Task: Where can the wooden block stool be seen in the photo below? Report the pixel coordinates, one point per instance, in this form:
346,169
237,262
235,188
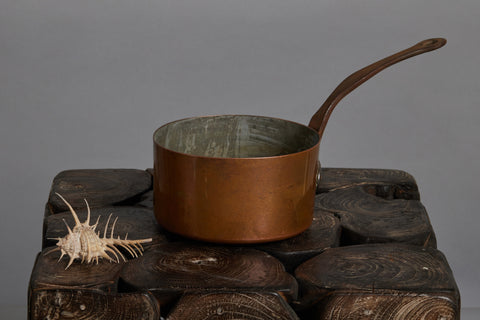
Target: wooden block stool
370,253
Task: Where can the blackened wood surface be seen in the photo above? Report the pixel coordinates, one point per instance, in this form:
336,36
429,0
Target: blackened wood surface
92,305
137,222
49,273
394,184
177,267
382,271
386,306
378,266
367,218
146,200
232,305
101,187
323,233
350,282
47,212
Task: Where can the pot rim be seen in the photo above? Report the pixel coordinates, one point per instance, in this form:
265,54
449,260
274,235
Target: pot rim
308,150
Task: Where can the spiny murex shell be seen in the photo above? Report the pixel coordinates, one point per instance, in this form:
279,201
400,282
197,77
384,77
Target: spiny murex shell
82,242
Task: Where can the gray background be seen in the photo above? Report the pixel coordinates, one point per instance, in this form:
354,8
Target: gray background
83,84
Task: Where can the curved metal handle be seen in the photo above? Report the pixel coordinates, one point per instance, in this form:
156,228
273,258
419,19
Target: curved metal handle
320,118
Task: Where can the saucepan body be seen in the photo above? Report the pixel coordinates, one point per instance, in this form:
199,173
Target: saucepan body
235,178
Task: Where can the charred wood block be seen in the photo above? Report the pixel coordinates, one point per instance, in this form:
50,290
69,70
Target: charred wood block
378,281
232,305
366,218
323,233
386,306
137,222
101,187
92,305
151,171
391,184
83,291
173,268
49,273
48,212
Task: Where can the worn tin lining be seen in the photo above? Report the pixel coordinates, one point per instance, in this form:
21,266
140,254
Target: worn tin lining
235,136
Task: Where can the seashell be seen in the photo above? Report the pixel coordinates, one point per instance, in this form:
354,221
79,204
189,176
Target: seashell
83,242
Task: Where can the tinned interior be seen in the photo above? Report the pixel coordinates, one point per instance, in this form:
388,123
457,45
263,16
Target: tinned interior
235,136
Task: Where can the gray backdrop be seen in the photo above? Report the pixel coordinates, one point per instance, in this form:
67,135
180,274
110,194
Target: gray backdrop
83,84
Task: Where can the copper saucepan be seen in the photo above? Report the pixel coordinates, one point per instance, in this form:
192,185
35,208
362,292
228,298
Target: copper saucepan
247,179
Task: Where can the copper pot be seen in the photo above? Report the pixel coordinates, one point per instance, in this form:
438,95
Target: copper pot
247,179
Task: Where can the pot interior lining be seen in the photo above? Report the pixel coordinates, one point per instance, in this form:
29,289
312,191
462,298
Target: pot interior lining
235,136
